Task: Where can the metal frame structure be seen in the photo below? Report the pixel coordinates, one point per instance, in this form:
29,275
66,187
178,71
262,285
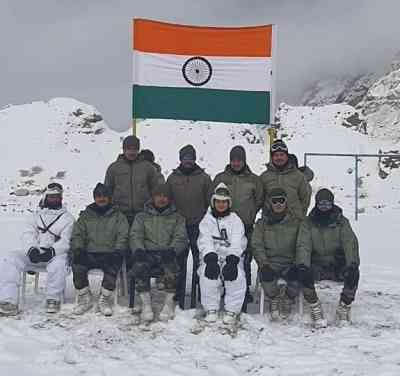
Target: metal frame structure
356,160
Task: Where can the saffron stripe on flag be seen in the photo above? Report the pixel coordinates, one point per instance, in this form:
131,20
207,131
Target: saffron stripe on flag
151,102
161,37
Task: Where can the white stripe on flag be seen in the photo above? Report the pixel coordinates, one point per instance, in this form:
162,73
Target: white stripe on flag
228,73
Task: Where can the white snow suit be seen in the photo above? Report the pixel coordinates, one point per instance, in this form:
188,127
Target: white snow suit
34,235
235,244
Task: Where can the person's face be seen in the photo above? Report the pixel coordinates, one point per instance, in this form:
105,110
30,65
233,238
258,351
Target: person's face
160,201
131,153
236,164
54,200
221,205
187,163
278,204
279,158
102,200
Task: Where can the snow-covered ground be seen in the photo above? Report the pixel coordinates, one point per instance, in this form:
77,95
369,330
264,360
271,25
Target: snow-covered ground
37,344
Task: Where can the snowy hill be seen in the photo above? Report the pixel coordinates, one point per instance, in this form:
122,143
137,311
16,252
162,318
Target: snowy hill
66,141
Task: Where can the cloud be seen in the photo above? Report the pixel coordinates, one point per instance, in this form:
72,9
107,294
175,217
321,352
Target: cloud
82,49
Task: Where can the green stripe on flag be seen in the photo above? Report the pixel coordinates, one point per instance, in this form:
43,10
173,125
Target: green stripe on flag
232,106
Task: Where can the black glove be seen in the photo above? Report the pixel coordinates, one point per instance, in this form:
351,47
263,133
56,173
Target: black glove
305,276
212,268
48,254
168,256
351,276
230,270
267,274
140,255
34,255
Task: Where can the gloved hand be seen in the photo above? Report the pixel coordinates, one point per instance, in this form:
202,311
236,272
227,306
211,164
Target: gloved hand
267,274
305,276
230,269
168,256
351,275
34,255
140,255
212,268
48,254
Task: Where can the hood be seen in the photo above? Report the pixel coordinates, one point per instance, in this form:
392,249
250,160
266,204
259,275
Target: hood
196,171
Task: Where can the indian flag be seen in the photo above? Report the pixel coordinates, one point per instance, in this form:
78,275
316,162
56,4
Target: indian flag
202,73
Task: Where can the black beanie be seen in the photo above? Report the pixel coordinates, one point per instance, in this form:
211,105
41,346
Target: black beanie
238,152
147,155
187,153
324,194
130,141
101,190
277,192
161,189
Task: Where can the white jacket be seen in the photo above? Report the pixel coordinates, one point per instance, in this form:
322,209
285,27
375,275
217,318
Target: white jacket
58,236
210,231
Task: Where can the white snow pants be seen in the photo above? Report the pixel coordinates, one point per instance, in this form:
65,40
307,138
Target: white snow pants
211,290
12,265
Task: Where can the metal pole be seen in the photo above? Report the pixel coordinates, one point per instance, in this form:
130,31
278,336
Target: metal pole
356,187
305,159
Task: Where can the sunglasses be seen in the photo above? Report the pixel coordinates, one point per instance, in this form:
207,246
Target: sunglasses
279,147
278,200
324,205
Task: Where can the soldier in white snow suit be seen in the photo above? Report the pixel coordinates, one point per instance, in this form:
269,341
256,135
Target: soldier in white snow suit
221,243
45,242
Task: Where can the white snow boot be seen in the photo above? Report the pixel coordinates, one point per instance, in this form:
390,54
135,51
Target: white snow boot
230,318
83,302
317,315
343,313
168,310
53,306
147,314
274,308
8,309
105,302
285,307
211,316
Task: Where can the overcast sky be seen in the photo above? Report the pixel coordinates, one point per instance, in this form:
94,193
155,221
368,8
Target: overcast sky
82,48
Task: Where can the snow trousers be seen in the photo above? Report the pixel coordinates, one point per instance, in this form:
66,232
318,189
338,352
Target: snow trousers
154,266
211,290
271,278
109,263
12,265
349,276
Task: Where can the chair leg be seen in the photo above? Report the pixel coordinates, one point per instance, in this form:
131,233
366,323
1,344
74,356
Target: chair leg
262,300
182,287
124,278
132,292
195,283
117,289
23,289
36,282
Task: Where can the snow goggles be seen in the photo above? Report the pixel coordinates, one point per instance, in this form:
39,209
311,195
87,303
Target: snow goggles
324,205
54,189
278,200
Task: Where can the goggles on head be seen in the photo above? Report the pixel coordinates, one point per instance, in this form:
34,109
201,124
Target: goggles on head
279,147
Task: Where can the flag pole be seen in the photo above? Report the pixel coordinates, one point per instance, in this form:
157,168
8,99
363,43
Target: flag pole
271,130
134,127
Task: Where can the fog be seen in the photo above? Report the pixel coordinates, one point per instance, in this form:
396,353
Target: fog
82,48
